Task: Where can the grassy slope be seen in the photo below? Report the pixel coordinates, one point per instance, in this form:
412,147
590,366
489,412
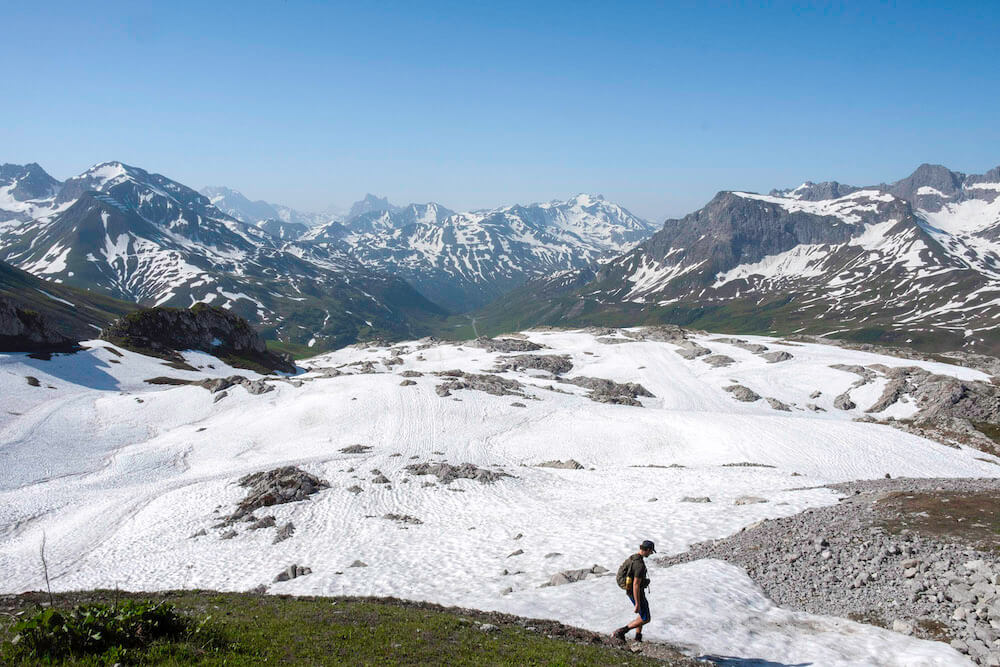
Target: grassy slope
91,308
267,629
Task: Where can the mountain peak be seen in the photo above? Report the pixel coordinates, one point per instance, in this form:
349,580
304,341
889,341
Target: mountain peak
370,203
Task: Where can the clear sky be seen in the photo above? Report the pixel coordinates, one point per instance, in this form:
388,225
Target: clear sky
476,104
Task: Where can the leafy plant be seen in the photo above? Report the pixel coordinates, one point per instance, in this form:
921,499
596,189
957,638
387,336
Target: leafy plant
96,629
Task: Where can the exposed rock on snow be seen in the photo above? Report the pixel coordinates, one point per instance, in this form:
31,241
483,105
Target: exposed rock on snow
696,499
718,360
356,449
741,393
403,518
778,405
491,384
284,532
844,402
568,464
447,473
551,363
506,344
607,391
287,484
776,356
571,576
688,349
292,572
749,500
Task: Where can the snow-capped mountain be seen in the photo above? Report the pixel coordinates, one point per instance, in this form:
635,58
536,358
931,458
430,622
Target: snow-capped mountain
144,238
916,261
464,260
26,192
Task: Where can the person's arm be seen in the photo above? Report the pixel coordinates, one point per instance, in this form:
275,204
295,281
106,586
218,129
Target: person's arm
637,592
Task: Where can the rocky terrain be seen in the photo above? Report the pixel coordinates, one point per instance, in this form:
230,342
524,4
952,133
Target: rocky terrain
165,332
918,556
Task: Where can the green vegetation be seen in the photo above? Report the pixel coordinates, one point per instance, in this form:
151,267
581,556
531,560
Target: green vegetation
207,628
110,633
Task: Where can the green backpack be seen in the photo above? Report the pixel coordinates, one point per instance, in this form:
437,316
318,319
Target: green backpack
624,569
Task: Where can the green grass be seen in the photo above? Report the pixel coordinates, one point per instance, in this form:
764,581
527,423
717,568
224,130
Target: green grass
248,629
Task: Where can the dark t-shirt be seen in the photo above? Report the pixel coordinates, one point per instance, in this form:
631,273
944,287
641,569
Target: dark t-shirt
637,570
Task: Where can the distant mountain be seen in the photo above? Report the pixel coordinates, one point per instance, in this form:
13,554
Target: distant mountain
370,204
465,260
234,204
26,192
913,262
144,238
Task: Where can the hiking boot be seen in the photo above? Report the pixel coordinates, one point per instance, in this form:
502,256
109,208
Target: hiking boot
619,634
638,636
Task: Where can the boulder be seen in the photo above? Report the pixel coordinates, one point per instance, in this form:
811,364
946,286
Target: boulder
275,487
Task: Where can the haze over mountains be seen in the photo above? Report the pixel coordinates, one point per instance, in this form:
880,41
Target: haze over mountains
914,262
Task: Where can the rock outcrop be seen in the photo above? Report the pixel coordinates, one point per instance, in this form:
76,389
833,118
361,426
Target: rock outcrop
165,332
24,330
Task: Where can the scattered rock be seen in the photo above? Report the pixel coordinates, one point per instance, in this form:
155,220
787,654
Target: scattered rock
275,487
741,393
292,572
608,391
403,518
518,404
747,464
749,500
407,383
777,356
550,363
355,489
447,473
719,360
571,576
358,563
506,344
844,402
568,464
515,553
284,532
265,522
228,535
696,499
494,385
778,405
356,449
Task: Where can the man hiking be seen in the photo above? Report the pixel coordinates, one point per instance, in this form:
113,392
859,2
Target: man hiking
632,578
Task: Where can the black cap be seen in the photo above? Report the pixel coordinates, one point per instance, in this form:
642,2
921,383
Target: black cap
648,545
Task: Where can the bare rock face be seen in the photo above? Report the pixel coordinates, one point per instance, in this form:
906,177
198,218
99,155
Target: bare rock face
741,393
287,484
164,332
27,331
506,344
608,391
447,473
551,363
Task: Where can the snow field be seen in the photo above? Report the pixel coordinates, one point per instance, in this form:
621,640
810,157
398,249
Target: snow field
119,487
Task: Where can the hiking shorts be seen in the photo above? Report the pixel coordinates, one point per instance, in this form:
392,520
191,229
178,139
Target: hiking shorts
643,606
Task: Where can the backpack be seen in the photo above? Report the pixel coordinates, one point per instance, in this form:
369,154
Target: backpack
622,578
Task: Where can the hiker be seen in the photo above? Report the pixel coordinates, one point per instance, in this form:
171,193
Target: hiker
632,579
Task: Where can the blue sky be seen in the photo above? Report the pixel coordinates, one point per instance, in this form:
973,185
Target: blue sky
657,106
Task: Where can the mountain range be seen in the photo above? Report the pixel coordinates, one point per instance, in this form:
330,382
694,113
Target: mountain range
387,271
915,262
